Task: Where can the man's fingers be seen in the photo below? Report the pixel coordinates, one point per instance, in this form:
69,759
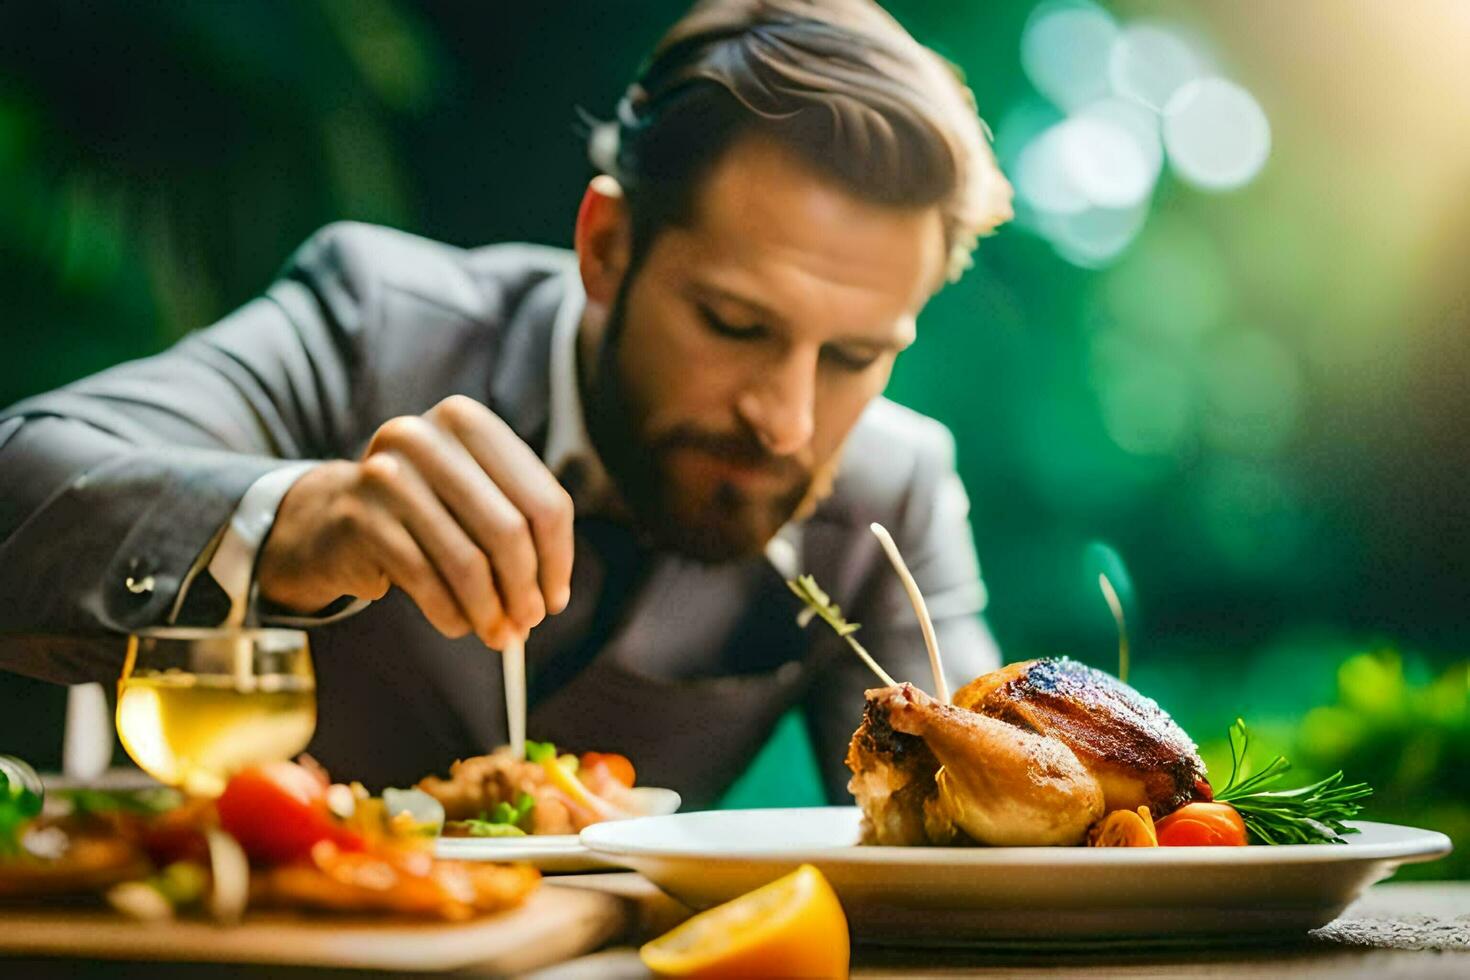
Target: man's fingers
376,588
526,483
359,575
482,510
459,568
409,569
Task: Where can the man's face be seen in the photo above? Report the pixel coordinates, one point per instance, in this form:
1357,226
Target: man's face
746,345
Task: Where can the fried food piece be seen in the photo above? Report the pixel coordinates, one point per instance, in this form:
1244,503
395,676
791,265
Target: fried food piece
409,882
86,864
477,784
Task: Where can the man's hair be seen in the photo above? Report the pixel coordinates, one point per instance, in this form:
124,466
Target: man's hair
839,82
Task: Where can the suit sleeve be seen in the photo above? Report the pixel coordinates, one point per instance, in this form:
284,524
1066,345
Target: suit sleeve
116,485
932,530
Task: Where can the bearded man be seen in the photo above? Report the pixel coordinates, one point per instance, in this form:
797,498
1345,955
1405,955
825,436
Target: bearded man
421,452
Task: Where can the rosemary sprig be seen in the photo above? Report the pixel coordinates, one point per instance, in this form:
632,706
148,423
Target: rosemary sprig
1314,814
820,605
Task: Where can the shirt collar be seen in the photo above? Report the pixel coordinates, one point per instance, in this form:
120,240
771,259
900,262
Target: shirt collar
569,452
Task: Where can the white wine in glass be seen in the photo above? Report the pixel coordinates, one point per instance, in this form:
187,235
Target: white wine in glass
195,706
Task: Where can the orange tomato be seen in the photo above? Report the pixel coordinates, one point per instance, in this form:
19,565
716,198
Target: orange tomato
1202,825
618,766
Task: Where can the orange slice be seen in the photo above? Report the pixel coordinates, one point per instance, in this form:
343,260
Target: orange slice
793,927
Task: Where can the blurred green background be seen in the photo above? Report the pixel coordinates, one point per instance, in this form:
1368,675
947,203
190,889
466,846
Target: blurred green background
1242,394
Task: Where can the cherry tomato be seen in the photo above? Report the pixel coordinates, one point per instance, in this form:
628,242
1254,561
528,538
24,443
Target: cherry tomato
618,766
278,810
1202,825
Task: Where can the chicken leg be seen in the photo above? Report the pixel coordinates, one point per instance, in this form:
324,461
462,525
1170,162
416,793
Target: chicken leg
996,782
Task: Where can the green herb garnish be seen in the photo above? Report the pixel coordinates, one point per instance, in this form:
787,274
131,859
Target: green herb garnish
146,802
490,828
820,605
504,820
514,815
540,751
1314,814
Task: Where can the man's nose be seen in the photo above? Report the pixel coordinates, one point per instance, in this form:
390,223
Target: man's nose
780,403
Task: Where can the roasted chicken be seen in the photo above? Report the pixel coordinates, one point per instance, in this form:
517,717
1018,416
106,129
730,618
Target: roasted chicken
1032,754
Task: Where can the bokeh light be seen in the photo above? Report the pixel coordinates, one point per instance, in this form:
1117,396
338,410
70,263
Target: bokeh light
1066,48
1216,134
1094,237
1104,161
1150,62
1086,174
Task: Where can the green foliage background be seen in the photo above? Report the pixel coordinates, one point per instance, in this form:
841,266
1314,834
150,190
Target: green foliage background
1257,411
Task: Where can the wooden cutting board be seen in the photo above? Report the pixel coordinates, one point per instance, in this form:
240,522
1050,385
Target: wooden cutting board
554,924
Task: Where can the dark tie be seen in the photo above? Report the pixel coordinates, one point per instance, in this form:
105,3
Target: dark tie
608,562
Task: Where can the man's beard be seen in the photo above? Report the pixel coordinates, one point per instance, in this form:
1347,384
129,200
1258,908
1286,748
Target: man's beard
727,523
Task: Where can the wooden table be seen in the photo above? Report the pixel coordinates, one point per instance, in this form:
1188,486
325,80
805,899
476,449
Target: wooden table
1395,931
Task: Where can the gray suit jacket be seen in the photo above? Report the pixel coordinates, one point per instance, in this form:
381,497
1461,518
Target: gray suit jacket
130,474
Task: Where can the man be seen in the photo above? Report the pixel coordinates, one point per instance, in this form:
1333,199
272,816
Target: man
422,452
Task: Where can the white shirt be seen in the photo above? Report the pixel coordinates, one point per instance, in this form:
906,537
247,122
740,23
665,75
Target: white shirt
567,440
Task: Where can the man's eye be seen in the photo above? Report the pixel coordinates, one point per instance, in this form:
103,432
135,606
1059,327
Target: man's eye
751,332
849,360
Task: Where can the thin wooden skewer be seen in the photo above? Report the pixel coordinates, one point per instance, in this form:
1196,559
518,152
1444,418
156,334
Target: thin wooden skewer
872,664
818,603
513,667
867,658
941,686
1117,609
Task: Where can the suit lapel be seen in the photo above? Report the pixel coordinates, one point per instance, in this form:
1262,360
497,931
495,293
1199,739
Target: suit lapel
520,385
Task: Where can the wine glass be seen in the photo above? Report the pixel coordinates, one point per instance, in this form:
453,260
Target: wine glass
195,706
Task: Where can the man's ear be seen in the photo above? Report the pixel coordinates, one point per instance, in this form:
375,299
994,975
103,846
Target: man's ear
603,240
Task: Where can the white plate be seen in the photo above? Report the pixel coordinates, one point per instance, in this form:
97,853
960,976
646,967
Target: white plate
548,852
551,852
1014,895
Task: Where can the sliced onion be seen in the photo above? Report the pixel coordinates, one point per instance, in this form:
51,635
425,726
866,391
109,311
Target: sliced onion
654,801
140,900
230,870
341,801
426,812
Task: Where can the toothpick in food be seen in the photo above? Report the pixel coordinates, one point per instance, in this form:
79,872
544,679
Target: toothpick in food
513,667
926,625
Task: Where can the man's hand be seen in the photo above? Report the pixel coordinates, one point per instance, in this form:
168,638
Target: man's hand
450,506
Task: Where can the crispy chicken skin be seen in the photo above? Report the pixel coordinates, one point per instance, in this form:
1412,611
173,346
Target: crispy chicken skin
1131,745
1033,754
